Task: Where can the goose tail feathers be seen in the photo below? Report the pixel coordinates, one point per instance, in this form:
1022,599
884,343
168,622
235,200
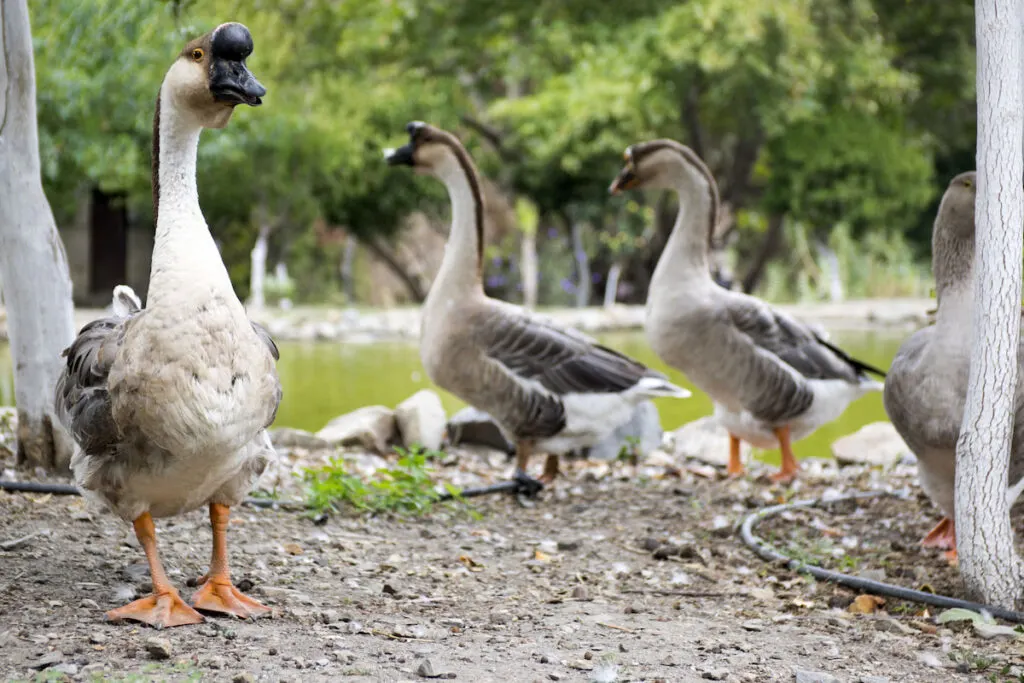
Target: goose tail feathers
657,387
126,301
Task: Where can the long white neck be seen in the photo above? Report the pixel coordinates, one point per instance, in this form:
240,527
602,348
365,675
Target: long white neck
685,257
186,261
460,269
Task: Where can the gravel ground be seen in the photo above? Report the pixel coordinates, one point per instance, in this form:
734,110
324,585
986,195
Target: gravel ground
618,573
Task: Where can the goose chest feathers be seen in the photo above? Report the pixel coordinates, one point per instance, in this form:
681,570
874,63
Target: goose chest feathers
926,390
169,404
772,378
549,388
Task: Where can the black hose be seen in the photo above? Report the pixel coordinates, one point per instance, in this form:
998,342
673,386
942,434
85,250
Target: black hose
770,554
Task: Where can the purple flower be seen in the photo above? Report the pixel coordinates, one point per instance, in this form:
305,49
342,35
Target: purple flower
495,280
595,278
552,233
496,260
568,286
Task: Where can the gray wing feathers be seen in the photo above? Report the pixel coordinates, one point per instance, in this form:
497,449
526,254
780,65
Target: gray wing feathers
559,360
81,400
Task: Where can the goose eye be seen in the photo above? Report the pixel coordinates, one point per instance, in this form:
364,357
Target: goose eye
197,55
968,183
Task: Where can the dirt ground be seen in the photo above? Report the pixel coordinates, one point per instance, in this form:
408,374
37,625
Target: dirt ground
570,588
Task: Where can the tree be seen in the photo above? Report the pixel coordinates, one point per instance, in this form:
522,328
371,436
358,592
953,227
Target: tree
36,283
991,569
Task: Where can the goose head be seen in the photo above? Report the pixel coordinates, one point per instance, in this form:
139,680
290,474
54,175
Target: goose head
209,78
430,151
655,164
956,211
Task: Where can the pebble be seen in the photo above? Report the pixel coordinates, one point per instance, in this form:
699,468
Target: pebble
67,668
426,669
580,593
668,661
500,617
48,660
212,662
243,677
752,625
874,679
158,648
714,674
554,676
814,677
89,603
97,638
581,665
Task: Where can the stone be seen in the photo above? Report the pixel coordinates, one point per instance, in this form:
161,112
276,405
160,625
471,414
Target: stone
814,677
421,420
243,677
472,426
877,443
426,669
370,427
288,437
158,648
714,674
706,441
641,435
48,660
874,679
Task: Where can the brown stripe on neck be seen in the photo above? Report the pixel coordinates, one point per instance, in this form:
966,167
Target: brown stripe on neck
156,161
691,158
474,187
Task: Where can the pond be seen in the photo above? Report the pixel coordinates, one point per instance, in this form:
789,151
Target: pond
323,380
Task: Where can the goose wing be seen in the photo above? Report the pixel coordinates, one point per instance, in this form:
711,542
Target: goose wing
562,361
81,400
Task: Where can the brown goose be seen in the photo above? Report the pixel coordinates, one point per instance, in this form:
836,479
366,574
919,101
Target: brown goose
773,379
549,388
169,404
926,389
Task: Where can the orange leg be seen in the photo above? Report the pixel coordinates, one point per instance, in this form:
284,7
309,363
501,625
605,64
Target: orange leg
217,594
943,536
164,607
550,469
735,468
523,452
787,473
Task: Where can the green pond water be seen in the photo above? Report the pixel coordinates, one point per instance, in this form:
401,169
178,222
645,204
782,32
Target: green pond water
323,380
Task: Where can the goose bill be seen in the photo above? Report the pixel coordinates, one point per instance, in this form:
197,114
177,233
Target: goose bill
624,181
233,83
403,156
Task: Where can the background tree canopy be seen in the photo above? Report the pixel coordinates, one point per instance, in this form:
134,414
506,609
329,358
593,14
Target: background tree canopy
828,123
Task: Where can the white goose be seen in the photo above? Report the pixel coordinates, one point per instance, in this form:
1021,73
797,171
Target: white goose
547,387
773,379
169,405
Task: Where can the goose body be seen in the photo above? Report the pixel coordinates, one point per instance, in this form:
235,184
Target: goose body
169,404
548,388
926,390
772,378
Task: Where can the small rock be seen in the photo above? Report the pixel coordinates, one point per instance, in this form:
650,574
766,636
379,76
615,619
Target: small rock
421,420
666,551
752,625
287,437
243,677
668,661
640,436
89,603
372,427
500,617
580,593
814,677
877,443
48,660
67,668
874,679
472,426
706,441
714,674
893,626
581,665
97,638
158,648
426,669
554,676
568,545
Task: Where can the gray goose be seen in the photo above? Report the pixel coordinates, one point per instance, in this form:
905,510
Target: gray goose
773,380
169,404
926,389
549,388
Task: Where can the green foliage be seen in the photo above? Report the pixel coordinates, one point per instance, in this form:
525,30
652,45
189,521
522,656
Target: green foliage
406,488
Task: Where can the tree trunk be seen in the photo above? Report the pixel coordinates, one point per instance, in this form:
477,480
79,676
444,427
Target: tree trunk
579,253
348,261
258,265
770,243
830,268
991,569
416,290
34,267
611,287
528,268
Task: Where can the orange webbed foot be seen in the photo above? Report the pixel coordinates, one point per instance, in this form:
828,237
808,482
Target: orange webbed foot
943,536
782,477
551,470
160,610
224,598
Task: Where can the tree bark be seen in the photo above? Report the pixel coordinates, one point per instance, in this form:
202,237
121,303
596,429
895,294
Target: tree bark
528,268
33,264
611,287
258,264
348,260
416,290
992,571
579,252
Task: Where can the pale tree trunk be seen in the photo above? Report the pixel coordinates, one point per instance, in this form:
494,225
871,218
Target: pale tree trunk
611,287
528,268
991,569
579,253
258,265
34,267
348,260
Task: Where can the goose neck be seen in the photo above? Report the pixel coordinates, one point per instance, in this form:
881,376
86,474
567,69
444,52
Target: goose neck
462,265
686,253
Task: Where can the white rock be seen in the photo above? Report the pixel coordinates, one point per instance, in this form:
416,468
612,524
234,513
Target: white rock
644,425
706,441
873,444
421,420
472,426
371,427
